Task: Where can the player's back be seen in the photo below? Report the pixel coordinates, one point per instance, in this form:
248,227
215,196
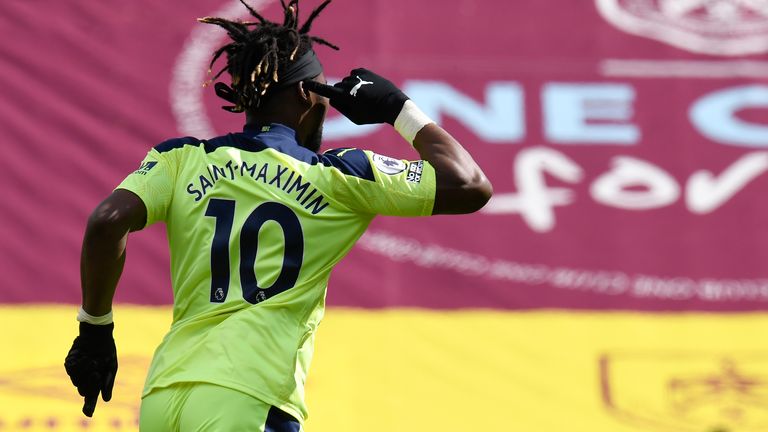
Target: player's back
255,216
255,225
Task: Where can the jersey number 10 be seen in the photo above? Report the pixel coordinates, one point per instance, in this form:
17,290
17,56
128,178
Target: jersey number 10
223,210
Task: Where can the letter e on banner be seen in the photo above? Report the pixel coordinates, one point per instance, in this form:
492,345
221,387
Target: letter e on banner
572,113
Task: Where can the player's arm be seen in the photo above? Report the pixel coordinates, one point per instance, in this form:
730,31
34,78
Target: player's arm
367,98
91,363
104,245
461,186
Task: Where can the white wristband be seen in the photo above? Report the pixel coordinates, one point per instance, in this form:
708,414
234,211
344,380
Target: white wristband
410,121
84,316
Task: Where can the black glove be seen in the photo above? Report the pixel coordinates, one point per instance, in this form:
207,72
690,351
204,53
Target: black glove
92,364
363,97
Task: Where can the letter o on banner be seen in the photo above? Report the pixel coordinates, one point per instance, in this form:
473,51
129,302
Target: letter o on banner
658,188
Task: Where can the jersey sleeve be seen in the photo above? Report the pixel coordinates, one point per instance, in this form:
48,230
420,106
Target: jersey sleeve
368,182
153,182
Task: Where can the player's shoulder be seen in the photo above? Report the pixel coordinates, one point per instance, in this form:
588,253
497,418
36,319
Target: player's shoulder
177,143
350,161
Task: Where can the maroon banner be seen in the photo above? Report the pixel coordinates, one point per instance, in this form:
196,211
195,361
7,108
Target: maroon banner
627,142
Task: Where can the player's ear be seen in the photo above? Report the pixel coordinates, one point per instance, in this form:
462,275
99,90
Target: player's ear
304,94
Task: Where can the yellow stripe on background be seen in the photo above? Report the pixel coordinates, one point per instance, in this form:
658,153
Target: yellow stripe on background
419,370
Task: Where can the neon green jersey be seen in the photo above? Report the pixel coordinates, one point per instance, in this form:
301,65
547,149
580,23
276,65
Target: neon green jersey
255,225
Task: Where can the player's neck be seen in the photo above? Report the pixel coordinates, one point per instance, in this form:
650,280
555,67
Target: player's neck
267,118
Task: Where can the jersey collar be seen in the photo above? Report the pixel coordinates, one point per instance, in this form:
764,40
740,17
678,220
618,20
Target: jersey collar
254,130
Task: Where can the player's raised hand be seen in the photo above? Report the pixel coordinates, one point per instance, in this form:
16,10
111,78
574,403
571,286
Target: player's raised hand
92,364
363,97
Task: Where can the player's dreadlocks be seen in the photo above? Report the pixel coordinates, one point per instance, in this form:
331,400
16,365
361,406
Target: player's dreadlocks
261,52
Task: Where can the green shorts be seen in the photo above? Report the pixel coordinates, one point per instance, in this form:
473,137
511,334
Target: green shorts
193,407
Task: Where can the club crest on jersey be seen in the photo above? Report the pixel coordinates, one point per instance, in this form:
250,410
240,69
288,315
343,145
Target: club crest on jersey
717,27
388,165
145,167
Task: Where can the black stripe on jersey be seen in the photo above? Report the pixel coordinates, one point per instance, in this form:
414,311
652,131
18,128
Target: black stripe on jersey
352,162
176,143
238,141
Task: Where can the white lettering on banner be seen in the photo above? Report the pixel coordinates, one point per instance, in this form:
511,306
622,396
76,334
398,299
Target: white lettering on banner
714,115
572,113
658,188
603,282
680,288
705,192
534,201
501,119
